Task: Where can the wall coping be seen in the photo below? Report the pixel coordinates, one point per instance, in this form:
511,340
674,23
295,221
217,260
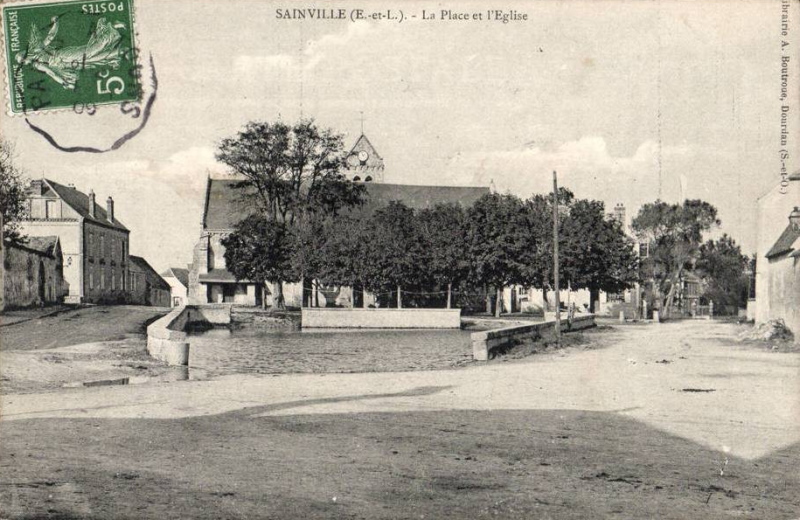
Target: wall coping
375,309
512,330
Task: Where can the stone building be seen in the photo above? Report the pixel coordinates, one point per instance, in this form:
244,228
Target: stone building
147,287
94,242
178,280
32,273
211,282
778,255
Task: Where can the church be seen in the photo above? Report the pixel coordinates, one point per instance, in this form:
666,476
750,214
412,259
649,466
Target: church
211,282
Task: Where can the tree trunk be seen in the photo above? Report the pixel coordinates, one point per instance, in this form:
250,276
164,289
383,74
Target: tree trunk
488,300
544,298
278,302
263,296
594,297
449,294
399,298
498,303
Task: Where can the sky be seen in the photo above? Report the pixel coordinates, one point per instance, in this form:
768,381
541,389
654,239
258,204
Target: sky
628,101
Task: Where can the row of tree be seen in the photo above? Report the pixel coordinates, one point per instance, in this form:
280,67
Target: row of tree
305,224
498,241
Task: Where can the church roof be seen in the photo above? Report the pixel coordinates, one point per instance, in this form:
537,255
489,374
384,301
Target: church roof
79,202
224,207
785,243
420,197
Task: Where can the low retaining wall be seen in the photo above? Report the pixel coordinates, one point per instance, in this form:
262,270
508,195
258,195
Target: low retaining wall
166,337
346,318
483,342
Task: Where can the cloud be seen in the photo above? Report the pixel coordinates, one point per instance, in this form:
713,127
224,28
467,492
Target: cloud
185,171
315,52
585,166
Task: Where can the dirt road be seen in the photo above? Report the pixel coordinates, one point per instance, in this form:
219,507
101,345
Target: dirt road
670,421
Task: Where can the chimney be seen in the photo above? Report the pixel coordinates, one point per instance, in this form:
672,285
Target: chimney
37,187
619,213
794,218
110,209
91,204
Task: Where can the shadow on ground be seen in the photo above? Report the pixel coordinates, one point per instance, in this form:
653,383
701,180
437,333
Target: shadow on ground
442,464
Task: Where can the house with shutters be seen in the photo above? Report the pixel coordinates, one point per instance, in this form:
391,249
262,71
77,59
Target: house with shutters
93,242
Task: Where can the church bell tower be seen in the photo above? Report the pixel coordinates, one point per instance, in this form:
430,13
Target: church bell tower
364,163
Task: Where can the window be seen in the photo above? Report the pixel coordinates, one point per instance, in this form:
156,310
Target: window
91,244
102,246
644,250
102,279
52,209
91,280
113,280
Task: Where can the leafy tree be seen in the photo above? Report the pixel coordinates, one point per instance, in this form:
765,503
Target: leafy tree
13,197
674,232
260,249
291,175
496,240
344,254
537,256
596,254
394,250
444,233
723,266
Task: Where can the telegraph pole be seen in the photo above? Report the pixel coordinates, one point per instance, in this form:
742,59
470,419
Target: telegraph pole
555,257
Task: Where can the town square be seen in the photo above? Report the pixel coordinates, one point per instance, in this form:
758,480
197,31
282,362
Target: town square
399,261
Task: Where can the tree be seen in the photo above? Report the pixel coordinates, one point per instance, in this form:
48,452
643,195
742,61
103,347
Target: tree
596,254
260,249
344,254
724,268
496,240
393,250
537,255
291,174
13,197
444,233
674,233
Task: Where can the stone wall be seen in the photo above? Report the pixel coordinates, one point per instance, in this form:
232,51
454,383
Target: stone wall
30,278
484,342
167,338
338,318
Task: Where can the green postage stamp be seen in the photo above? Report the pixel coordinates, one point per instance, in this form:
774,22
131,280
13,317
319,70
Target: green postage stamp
69,54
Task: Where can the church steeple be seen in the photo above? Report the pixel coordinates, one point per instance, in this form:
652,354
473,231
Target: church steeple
364,162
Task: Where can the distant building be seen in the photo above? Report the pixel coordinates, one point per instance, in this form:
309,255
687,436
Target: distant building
94,242
778,255
211,282
178,280
32,273
147,286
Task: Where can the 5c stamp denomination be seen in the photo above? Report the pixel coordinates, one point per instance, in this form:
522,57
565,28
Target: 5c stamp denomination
68,54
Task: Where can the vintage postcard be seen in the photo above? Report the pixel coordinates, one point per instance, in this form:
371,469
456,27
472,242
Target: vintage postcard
452,259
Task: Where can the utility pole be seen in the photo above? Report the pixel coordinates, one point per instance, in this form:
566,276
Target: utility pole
555,257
